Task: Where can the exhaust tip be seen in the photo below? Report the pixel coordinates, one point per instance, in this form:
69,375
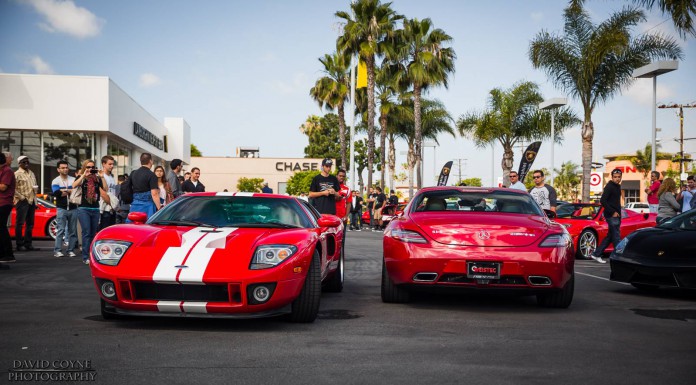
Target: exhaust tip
425,277
539,280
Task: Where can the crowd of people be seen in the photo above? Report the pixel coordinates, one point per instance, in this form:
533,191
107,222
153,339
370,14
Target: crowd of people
93,197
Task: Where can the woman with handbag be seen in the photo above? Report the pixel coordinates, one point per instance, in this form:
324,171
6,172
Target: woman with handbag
90,184
165,195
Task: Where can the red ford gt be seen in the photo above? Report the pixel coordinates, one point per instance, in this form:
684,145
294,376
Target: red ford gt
586,225
44,220
477,238
232,255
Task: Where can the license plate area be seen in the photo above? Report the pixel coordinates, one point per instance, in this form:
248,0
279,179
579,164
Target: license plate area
483,270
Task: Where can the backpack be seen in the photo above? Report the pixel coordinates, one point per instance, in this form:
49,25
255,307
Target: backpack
126,194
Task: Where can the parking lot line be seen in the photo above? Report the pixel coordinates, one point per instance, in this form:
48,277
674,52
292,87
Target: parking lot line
602,278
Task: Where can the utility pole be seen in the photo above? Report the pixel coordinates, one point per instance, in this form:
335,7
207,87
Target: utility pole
681,134
458,162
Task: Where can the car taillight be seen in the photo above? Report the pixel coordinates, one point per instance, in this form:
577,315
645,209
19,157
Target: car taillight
407,236
556,240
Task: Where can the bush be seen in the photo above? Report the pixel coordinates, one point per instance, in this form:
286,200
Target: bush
300,182
249,184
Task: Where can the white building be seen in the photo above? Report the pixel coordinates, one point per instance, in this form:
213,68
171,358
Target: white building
52,117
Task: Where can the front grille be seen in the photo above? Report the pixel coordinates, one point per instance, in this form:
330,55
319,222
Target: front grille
664,279
504,280
179,292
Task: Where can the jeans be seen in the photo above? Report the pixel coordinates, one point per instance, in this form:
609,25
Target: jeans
89,221
355,220
107,219
5,241
25,214
66,221
613,236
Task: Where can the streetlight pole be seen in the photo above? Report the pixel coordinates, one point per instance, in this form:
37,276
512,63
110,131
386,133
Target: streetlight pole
553,104
653,70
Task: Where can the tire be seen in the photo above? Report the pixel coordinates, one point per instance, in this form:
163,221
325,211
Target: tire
392,293
52,228
106,314
587,244
559,299
335,283
306,306
645,287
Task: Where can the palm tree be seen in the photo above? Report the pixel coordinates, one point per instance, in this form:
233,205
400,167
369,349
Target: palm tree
331,92
513,116
592,63
681,11
643,159
364,34
567,180
426,63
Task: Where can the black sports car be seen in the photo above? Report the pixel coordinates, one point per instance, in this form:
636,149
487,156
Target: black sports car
658,256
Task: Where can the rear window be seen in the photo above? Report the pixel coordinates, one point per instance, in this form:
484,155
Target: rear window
457,201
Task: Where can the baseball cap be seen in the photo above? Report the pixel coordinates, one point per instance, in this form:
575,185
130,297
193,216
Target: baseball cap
21,158
175,163
327,162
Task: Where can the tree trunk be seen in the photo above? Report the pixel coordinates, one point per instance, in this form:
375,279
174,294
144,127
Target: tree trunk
418,131
410,159
587,136
507,162
382,147
392,162
342,136
370,63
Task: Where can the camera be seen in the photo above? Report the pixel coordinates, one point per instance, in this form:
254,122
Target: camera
93,171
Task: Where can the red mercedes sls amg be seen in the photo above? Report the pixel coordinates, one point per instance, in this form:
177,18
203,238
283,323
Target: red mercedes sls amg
586,225
232,255
477,238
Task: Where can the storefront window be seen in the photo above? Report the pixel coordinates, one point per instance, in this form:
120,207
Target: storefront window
23,143
71,147
121,154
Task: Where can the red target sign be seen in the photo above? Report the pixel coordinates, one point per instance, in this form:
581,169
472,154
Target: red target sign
596,182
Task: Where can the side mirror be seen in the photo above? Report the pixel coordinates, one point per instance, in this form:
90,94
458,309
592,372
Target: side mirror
646,215
328,220
137,218
550,214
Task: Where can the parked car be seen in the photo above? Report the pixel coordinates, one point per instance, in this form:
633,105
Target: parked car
639,207
477,238
44,220
388,213
662,256
235,255
586,224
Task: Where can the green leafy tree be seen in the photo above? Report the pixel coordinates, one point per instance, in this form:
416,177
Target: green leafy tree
475,182
323,135
642,161
361,162
529,178
195,151
300,181
331,92
365,33
567,181
249,184
682,13
513,116
591,63
426,62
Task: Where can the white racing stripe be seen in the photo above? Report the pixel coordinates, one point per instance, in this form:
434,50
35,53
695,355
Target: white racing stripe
166,270
169,306
195,307
244,194
200,255
224,194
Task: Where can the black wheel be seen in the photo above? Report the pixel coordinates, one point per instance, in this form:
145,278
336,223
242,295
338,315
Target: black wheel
335,283
306,306
558,299
52,228
645,287
392,293
587,243
106,314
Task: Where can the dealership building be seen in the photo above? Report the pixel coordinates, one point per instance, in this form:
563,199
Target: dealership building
52,117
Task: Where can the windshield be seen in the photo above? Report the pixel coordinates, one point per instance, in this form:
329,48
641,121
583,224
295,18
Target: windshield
231,211
476,201
573,211
685,221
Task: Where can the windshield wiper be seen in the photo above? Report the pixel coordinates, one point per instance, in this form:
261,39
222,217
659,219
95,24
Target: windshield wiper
182,223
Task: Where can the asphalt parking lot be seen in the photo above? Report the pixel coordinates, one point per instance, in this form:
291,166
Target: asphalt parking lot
611,334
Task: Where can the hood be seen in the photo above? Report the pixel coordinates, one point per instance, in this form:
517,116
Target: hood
488,230
659,242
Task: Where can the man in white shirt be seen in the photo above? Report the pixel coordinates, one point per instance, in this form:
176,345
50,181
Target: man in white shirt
108,214
66,215
515,182
542,193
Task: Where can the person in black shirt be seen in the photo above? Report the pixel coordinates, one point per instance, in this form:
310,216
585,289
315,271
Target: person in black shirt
92,184
193,184
393,199
355,211
323,190
380,200
146,197
611,201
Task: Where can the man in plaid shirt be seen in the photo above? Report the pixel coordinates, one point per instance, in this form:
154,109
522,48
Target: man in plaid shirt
25,203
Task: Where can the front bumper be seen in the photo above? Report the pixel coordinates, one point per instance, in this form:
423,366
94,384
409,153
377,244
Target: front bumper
668,272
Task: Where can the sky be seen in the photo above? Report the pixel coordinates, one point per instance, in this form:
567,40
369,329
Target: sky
239,72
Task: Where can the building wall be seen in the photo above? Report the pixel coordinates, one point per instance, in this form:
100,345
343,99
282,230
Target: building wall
220,173
633,177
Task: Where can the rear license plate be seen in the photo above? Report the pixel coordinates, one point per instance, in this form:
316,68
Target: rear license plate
483,270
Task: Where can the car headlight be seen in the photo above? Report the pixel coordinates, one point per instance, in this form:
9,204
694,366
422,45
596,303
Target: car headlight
110,252
619,249
268,256
407,236
556,240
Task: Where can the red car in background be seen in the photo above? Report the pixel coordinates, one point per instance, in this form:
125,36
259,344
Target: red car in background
468,238
389,212
586,225
44,220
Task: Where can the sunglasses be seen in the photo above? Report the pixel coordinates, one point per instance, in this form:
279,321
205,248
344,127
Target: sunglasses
537,177
513,176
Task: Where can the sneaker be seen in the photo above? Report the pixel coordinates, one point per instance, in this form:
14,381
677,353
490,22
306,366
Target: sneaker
58,254
71,255
358,230
7,260
86,261
598,259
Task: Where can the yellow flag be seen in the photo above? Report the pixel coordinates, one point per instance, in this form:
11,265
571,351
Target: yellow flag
362,75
